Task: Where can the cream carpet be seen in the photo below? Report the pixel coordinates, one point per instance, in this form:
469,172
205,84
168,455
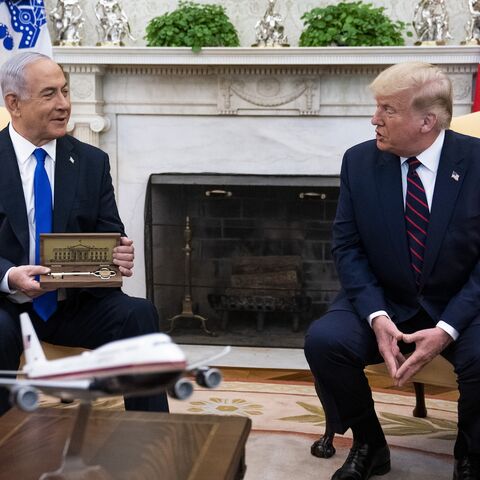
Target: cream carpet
287,418
277,456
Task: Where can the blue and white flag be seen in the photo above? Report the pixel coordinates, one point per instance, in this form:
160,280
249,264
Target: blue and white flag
23,27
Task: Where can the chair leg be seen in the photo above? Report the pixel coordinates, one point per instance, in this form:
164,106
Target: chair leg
420,410
323,447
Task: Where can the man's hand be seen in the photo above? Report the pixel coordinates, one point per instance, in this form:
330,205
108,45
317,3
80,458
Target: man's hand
428,344
22,279
123,256
388,336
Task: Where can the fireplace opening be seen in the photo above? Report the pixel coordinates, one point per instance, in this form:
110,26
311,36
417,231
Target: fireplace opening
240,259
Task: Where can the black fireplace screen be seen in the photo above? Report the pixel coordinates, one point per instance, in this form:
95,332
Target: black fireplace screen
239,259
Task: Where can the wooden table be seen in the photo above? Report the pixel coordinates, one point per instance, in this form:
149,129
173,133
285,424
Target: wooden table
128,445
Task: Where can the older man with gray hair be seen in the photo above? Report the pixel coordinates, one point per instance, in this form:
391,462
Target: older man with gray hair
406,243
51,182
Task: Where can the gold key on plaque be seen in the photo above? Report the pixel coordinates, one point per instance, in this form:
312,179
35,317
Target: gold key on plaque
104,273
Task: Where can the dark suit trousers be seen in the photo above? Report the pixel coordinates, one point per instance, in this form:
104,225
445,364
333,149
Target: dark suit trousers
339,345
86,320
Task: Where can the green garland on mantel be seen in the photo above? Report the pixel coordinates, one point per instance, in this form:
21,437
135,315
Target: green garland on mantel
351,24
192,25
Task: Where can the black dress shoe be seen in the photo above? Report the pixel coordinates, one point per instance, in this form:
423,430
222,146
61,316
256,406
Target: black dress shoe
363,461
467,468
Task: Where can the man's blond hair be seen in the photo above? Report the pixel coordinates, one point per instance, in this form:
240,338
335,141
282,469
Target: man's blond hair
431,89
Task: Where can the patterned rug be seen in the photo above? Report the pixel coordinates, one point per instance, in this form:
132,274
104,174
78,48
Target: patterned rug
287,418
294,408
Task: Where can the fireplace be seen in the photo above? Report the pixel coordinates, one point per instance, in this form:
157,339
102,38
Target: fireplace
244,256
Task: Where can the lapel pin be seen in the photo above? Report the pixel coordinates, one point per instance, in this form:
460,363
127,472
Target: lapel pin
73,161
455,176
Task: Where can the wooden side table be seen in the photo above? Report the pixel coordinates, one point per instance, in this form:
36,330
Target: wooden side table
126,445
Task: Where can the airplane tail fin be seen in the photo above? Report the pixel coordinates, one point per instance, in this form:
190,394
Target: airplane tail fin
31,344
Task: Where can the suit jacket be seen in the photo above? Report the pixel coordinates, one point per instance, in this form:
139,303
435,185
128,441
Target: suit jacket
84,198
370,245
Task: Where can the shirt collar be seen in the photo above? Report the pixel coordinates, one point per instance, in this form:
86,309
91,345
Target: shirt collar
24,149
430,158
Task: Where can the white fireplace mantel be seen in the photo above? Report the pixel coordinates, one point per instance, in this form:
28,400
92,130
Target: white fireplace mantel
286,111
444,55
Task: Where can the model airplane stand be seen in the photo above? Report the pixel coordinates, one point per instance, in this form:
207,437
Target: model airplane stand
73,466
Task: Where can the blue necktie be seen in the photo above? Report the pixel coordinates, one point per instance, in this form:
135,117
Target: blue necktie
45,304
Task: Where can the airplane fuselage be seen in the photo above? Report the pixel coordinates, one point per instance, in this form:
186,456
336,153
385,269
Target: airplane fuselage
145,355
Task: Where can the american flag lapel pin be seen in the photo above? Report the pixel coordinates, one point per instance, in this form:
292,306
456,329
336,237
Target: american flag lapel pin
72,161
455,176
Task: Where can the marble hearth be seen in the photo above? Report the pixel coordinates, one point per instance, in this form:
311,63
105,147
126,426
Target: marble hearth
231,111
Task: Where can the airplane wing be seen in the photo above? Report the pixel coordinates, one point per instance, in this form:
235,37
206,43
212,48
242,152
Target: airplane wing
207,360
12,372
204,376
61,389
24,393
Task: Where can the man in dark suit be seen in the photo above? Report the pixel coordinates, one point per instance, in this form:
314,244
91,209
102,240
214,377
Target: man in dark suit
80,188
406,242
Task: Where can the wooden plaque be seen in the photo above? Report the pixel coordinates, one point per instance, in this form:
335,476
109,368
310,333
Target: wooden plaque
71,256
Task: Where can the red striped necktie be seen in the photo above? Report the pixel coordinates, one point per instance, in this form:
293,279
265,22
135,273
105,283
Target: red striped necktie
417,217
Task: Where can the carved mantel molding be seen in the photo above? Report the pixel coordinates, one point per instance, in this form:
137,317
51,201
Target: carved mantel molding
240,81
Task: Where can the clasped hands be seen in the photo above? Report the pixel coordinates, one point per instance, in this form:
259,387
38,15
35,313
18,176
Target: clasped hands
23,278
428,344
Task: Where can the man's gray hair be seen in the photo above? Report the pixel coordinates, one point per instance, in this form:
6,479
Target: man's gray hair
12,73
430,88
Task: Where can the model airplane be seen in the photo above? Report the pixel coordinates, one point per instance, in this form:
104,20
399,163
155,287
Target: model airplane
136,366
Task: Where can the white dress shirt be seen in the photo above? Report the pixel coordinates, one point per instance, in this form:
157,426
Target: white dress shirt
427,171
26,165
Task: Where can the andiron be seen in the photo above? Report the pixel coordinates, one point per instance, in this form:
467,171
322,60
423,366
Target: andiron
187,304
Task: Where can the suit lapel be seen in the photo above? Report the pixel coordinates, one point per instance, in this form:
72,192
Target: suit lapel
66,179
11,191
450,175
389,182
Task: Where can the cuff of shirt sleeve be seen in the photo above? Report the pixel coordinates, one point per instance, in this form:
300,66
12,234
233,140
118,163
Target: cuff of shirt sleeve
4,287
376,314
448,328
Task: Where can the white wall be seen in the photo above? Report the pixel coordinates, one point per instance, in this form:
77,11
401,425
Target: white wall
245,13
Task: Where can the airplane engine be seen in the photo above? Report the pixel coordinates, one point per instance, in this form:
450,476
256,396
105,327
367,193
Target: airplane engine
208,377
181,389
24,397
